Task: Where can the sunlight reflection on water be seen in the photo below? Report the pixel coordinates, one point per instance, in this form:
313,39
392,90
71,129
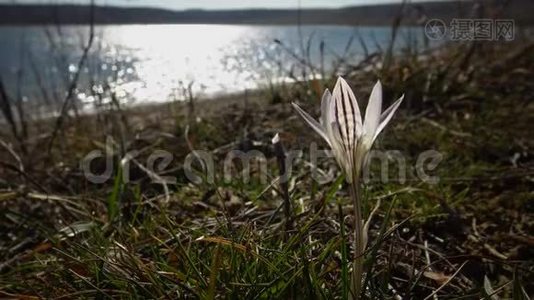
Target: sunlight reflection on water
180,53
154,63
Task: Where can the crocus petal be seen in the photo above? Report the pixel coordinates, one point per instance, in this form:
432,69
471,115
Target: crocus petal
331,126
387,115
342,155
314,124
330,118
325,107
372,113
346,110
347,93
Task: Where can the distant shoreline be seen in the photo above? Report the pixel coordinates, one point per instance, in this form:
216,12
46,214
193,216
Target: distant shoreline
369,15
5,25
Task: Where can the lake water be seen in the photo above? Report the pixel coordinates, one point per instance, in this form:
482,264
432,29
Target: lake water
154,63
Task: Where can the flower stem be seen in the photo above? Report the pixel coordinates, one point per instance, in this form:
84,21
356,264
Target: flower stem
357,264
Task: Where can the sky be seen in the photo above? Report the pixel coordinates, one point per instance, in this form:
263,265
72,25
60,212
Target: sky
215,4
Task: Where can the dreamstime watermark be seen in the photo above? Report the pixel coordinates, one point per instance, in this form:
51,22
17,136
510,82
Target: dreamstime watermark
471,30
202,166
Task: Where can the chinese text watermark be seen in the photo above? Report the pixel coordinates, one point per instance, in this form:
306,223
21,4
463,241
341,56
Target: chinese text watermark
471,30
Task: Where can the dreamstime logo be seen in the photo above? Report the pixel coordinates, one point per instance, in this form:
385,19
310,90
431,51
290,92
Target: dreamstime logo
201,166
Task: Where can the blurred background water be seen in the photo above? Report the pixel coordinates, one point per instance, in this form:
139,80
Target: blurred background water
156,63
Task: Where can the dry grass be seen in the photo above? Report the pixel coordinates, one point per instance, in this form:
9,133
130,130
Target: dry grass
59,236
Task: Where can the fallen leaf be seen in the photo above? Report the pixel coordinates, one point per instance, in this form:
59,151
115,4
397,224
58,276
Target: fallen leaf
438,277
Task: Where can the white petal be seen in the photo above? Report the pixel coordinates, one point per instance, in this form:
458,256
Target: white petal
313,124
342,155
330,126
331,114
346,110
276,139
372,113
347,91
387,115
325,107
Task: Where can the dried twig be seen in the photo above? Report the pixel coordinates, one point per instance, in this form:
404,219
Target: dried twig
14,154
446,282
5,107
74,82
281,158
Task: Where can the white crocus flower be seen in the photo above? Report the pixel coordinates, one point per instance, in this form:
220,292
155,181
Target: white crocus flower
341,125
